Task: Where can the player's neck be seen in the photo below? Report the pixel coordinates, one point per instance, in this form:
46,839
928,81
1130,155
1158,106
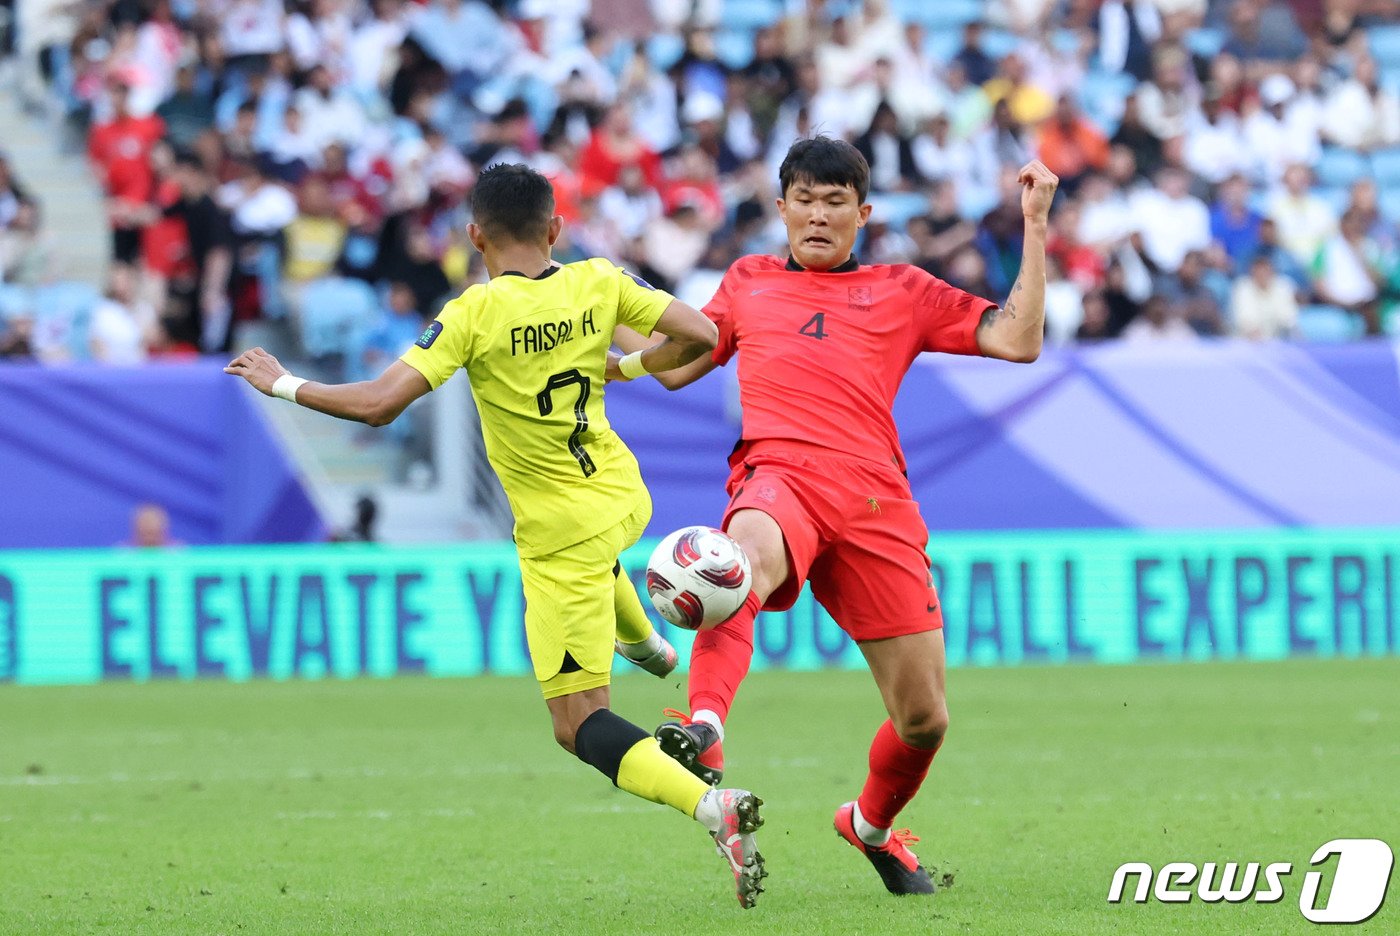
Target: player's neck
525,259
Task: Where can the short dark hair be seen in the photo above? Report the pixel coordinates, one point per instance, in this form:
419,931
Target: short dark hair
822,160
511,201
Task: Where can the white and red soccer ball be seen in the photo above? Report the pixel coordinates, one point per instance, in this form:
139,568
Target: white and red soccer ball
698,577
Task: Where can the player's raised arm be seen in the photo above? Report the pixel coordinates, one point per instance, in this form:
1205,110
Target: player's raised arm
375,402
681,358
1015,331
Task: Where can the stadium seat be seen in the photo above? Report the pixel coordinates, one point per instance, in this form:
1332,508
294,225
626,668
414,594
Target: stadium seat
1385,166
942,44
14,300
1337,198
1101,96
734,47
1328,324
896,208
999,43
1390,205
1385,44
973,203
665,50
1339,168
333,310
750,14
943,15
1206,41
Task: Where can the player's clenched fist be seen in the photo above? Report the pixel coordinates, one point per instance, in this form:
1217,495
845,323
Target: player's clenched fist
258,368
1039,185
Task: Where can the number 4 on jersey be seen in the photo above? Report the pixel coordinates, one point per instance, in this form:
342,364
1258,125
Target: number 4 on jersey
815,327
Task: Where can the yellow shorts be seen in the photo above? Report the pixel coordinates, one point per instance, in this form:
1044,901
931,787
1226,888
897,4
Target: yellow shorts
569,607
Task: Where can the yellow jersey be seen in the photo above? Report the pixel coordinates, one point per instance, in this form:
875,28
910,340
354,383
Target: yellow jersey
535,351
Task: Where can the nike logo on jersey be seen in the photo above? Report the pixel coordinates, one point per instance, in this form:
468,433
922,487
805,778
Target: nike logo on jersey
757,292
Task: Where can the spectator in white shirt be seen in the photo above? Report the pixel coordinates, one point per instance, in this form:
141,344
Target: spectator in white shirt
1158,322
1171,220
1304,220
1263,304
1347,271
122,325
1360,114
329,114
630,204
939,155
1215,147
1276,141
1164,103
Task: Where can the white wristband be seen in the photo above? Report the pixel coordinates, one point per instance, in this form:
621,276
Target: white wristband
287,386
632,367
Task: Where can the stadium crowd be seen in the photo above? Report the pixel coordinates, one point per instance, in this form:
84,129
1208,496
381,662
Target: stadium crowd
1228,167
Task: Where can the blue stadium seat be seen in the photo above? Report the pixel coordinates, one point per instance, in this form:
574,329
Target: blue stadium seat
942,44
942,14
1101,95
1065,41
734,47
750,14
896,208
973,203
1390,205
1329,324
1336,198
333,311
1339,168
14,301
1206,41
1385,166
998,43
665,49
1385,44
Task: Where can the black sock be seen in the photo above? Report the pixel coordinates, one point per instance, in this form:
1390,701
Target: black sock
603,739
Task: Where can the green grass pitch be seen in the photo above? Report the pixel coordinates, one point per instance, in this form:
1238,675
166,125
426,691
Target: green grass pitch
442,806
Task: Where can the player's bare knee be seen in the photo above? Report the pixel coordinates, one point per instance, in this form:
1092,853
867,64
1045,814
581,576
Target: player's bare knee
923,726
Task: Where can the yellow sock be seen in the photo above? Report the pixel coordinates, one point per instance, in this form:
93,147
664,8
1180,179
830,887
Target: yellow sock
650,774
633,626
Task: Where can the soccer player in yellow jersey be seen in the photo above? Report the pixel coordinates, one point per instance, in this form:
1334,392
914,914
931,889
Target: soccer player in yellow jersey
535,343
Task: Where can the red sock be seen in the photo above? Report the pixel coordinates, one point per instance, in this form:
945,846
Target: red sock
896,773
719,660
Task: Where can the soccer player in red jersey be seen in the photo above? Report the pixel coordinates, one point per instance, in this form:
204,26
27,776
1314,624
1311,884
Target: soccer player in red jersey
818,490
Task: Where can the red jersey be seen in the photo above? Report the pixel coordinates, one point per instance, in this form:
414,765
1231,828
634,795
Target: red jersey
123,149
824,353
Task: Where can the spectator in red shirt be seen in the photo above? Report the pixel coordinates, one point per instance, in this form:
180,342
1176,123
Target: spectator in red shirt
121,154
616,144
1070,146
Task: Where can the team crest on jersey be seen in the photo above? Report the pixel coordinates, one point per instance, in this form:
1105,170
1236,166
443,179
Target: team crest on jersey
429,335
860,296
639,281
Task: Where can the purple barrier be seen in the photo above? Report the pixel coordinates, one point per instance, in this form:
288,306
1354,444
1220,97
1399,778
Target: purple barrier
81,447
1217,435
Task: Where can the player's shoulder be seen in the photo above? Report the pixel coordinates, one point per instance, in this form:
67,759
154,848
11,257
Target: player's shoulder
750,264
912,279
602,269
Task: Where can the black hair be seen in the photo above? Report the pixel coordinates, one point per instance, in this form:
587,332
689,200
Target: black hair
822,160
511,201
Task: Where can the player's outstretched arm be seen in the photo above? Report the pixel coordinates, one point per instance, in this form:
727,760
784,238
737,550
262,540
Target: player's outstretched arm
1016,330
681,358
375,402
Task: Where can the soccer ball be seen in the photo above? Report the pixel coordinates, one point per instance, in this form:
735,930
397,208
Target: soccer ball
698,577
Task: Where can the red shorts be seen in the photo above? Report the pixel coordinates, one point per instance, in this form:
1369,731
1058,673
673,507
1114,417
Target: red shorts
851,526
